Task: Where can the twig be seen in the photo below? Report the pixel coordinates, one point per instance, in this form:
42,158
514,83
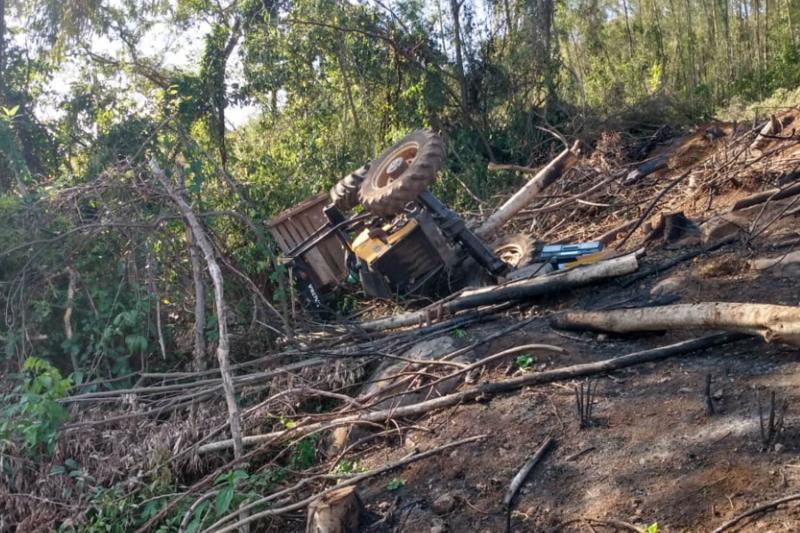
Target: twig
709,401
191,510
522,474
760,509
617,524
579,453
584,401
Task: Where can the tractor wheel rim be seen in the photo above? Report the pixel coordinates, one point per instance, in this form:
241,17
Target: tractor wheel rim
407,151
510,254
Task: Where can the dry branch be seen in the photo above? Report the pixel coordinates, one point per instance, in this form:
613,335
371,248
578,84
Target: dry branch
778,323
223,345
770,195
760,509
526,194
516,290
487,389
523,472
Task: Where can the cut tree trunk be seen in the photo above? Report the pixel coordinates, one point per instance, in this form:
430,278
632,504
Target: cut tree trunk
772,127
779,323
647,168
522,198
513,291
338,511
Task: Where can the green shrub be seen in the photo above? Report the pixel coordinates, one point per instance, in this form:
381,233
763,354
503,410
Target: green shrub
33,414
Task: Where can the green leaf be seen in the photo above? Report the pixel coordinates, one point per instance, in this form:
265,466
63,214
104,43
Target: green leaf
395,484
223,501
238,475
194,525
136,343
10,112
524,361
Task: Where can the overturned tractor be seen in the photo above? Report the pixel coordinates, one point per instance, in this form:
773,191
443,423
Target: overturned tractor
406,241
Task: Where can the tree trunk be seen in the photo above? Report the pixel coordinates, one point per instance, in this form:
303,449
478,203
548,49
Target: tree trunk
347,86
628,27
150,276
200,360
488,389
526,194
780,323
71,288
517,290
223,348
455,12
2,52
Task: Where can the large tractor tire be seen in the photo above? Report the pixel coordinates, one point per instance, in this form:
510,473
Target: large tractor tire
517,250
402,172
344,194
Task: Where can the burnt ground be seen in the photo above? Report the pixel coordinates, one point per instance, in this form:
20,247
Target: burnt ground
652,452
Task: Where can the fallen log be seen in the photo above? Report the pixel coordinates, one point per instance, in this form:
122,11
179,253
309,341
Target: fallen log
515,290
488,389
785,265
650,166
771,195
779,323
608,237
523,197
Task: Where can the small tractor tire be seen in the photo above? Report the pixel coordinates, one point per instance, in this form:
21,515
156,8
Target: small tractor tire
517,250
344,195
402,172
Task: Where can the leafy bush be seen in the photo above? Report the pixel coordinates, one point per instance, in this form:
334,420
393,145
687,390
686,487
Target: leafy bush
34,414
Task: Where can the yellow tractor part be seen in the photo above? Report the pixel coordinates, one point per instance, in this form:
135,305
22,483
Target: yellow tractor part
588,259
370,249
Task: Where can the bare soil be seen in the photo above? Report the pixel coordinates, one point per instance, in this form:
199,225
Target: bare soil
652,452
